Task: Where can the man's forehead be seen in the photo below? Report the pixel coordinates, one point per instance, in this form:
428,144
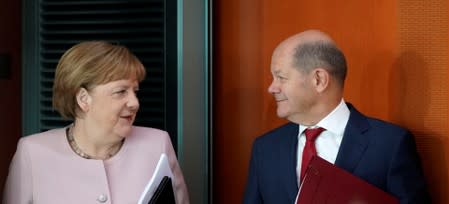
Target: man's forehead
280,69
281,63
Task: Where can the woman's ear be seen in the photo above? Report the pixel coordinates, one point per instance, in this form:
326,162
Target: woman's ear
321,79
83,99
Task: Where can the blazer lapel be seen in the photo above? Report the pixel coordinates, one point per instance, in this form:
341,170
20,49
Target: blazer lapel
354,142
288,150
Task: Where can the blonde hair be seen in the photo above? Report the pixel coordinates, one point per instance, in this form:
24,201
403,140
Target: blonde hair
88,64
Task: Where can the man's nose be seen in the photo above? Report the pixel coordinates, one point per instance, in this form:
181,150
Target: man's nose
273,88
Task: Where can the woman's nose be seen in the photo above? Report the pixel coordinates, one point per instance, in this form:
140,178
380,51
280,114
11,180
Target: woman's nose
133,101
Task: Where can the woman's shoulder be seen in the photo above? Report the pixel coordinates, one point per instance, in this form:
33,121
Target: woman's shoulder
39,143
148,139
46,137
149,130
148,133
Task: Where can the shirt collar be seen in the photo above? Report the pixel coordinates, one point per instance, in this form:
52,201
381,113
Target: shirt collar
335,122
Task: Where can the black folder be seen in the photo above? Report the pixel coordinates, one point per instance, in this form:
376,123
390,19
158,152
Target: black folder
325,183
164,193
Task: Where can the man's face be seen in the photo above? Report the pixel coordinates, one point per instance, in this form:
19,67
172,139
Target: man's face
291,88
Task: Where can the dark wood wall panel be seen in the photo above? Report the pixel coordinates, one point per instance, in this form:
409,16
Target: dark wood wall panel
10,87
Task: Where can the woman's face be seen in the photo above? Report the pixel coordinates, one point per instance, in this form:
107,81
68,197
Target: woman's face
112,107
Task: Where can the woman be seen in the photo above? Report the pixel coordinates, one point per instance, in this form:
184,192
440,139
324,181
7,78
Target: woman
101,157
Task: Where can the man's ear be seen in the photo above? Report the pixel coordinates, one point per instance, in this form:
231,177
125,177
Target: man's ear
321,79
83,99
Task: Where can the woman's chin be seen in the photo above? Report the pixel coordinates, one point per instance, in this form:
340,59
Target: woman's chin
124,131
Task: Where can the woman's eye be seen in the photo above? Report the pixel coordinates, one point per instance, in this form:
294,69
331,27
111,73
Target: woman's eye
120,92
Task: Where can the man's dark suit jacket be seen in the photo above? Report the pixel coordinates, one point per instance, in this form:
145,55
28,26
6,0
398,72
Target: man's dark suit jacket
380,153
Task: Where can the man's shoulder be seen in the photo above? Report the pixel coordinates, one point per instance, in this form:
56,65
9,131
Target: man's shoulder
372,123
385,126
279,133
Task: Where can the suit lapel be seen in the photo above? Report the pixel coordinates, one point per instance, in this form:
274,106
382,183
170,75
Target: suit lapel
354,141
352,147
288,164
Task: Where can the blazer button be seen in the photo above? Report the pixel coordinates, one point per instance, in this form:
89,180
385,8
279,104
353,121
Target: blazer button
102,198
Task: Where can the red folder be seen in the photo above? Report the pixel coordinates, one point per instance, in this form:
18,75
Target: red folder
325,183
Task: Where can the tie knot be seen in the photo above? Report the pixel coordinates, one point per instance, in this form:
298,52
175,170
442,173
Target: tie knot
312,133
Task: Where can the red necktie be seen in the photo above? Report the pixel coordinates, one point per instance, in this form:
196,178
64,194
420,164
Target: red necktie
309,149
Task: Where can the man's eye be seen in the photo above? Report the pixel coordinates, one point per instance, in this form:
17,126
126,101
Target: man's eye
281,78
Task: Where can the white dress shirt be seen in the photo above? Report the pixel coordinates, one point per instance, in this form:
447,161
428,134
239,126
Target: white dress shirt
328,142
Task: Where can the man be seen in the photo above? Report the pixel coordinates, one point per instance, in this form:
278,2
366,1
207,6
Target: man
308,78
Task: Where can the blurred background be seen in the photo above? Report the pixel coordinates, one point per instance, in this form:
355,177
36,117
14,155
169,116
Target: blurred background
208,72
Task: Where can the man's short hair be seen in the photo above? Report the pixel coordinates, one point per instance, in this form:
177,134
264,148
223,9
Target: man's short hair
311,55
